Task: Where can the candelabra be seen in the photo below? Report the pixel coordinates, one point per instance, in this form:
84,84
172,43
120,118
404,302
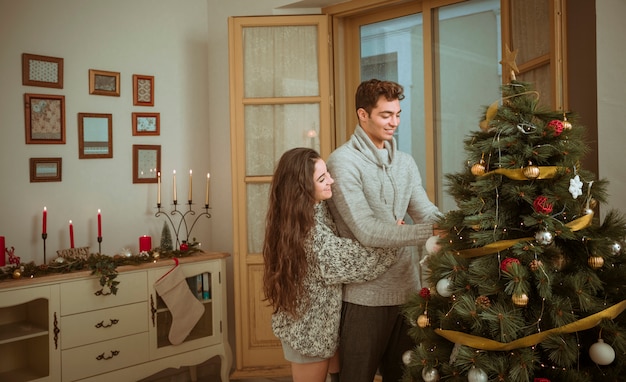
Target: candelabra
44,236
182,219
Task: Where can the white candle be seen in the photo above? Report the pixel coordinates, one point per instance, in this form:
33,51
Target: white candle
174,187
206,195
159,187
189,196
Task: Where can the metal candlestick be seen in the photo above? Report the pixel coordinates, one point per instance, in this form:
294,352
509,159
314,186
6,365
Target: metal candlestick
100,244
182,216
44,236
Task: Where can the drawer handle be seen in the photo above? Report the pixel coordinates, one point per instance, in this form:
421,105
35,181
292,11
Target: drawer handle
101,292
153,310
113,354
112,322
56,331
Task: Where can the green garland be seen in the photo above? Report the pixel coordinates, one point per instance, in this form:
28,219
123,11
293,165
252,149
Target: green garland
100,265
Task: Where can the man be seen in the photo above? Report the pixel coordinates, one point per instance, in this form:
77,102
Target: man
375,187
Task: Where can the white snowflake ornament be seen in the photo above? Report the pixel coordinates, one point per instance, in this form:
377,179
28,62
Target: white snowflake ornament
575,187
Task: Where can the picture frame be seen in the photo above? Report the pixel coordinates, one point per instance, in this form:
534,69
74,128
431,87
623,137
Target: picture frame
44,118
45,169
146,124
104,83
95,135
43,71
146,163
143,90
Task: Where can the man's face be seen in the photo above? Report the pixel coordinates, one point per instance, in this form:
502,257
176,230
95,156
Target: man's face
382,121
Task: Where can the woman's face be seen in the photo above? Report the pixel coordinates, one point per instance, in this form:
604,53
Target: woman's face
322,181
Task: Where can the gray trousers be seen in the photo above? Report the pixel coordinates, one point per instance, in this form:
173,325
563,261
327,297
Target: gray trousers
372,338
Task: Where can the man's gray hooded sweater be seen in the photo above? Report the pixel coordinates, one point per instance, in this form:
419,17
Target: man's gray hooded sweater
373,189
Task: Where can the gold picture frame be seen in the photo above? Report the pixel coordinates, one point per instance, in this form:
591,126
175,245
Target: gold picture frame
143,90
43,71
45,169
44,118
146,163
104,83
95,135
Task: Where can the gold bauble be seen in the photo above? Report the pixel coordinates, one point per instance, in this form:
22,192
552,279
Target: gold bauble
531,171
520,299
423,321
595,262
17,274
479,168
567,125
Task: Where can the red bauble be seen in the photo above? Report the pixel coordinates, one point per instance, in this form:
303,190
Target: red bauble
425,293
557,126
504,265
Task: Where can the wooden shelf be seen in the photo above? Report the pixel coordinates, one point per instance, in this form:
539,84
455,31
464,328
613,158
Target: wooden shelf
18,331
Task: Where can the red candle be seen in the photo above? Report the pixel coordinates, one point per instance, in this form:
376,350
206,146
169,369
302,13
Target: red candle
99,224
71,235
145,243
45,221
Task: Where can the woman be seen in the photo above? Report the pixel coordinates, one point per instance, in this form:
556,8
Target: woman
306,264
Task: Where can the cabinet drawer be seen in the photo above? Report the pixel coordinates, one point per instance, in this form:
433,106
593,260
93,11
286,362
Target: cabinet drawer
83,295
104,324
102,357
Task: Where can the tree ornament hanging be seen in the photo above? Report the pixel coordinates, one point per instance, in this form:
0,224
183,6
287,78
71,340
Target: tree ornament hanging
541,205
506,263
567,125
595,262
482,302
443,287
479,168
544,237
432,245
556,126
430,374
423,321
406,357
602,353
477,375
616,248
531,171
535,265
520,300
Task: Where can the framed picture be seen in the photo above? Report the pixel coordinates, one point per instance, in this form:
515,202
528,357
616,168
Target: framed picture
146,124
104,83
44,117
42,71
45,169
146,163
95,135
143,90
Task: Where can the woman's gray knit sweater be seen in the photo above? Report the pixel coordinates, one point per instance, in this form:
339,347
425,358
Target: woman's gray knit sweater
332,261
373,189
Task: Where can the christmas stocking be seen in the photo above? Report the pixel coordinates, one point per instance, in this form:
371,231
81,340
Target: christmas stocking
185,308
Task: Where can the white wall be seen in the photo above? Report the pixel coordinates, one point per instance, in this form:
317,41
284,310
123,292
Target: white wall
163,38
611,98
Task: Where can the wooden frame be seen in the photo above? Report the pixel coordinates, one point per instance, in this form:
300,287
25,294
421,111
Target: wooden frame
45,169
143,90
44,118
104,83
146,124
42,71
146,163
95,135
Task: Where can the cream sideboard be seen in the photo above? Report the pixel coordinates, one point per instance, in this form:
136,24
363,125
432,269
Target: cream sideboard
68,328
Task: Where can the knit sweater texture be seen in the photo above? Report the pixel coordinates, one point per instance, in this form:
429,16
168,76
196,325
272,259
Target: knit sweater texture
373,189
332,261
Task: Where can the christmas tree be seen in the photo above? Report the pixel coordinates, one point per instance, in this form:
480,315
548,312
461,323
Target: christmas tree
528,284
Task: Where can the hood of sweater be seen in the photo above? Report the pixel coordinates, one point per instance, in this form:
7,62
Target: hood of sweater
362,143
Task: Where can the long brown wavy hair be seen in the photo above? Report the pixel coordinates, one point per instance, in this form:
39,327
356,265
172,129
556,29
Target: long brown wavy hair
290,218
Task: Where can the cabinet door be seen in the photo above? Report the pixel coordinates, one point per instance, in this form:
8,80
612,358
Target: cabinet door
205,285
29,335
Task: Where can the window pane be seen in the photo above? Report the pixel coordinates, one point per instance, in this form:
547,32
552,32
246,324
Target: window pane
256,207
469,77
270,130
280,61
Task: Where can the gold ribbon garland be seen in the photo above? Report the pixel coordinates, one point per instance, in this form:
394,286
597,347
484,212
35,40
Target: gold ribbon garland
545,172
491,345
501,245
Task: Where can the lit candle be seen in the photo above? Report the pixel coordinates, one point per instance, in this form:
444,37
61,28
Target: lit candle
99,224
206,195
145,243
174,187
44,229
71,235
159,188
189,196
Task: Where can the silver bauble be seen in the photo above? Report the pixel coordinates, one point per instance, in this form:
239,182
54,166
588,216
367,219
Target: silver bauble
443,287
601,353
544,237
406,357
430,374
616,248
477,375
